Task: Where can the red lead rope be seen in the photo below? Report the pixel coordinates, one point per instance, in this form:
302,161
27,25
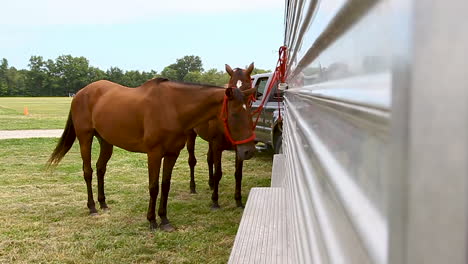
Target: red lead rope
224,117
279,74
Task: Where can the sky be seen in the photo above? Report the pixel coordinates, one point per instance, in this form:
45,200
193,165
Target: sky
143,34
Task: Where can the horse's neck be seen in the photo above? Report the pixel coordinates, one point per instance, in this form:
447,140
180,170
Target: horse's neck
201,106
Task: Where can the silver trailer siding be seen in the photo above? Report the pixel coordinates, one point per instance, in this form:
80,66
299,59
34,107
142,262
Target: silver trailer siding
375,131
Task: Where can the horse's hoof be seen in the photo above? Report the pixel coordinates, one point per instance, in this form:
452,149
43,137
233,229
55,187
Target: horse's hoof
153,225
193,192
167,228
240,205
93,212
105,210
215,207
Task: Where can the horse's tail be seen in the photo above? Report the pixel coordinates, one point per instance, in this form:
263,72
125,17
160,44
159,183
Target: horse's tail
64,144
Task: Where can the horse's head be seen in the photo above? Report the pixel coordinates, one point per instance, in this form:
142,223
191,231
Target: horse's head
240,78
237,119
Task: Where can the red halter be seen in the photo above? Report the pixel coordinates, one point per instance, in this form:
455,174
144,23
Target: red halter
224,117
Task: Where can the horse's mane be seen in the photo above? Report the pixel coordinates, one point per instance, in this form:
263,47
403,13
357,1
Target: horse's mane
198,84
159,80
156,81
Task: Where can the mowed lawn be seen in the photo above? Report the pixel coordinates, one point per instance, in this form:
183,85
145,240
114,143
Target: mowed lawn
44,112
44,218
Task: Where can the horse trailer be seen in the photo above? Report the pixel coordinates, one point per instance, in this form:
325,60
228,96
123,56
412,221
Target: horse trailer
375,138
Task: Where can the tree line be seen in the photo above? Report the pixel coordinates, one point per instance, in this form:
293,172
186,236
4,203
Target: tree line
67,74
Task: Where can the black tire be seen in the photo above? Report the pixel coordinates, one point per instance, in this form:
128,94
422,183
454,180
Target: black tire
278,144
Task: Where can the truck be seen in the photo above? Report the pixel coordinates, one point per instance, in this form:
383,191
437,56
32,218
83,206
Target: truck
269,125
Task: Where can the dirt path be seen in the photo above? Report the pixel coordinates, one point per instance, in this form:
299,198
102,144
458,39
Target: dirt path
39,133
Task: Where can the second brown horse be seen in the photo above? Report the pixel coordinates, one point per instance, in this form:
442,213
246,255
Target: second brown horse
213,131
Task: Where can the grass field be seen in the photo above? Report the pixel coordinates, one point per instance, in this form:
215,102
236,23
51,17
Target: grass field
44,112
44,216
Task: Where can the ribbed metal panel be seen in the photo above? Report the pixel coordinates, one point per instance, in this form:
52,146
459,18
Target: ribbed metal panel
375,131
336,132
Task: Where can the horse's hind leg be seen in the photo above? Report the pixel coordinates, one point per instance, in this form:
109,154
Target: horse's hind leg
86,140
192,161
104,156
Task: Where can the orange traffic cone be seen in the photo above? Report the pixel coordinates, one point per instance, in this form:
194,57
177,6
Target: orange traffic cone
25,111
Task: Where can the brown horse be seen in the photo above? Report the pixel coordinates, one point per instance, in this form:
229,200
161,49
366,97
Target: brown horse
213,132
152,119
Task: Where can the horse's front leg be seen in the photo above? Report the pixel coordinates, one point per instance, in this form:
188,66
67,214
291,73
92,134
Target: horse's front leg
210,161
192,161
169,162
218,173
238,176
104,156
154,165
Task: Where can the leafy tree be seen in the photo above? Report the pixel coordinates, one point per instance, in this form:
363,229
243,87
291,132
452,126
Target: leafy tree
135,78
215,77
258,71
115,74
68,74
52,85
36,77
16,82
182,67
95,74
4,91
73,73
169,73
193,77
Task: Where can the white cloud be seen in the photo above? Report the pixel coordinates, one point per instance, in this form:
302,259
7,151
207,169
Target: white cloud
37,12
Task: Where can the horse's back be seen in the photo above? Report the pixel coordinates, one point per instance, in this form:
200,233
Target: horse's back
96,89
110,109
87,98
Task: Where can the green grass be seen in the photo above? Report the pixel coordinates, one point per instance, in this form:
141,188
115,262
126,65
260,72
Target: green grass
44,219
44,112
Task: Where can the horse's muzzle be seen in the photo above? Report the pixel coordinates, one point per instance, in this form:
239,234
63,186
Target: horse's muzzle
246,151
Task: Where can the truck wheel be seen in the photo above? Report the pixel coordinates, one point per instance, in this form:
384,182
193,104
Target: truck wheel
278,144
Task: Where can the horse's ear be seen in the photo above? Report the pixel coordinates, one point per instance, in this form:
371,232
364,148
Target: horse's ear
250,68
229,93
229,70
248,92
